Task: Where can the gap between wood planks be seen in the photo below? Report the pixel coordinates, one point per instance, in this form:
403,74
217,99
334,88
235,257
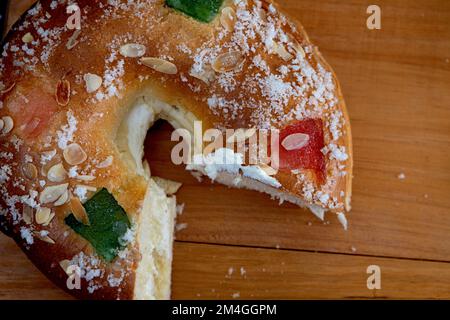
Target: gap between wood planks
311,251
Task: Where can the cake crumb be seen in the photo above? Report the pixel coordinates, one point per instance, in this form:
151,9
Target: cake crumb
181,226
180,209
401,176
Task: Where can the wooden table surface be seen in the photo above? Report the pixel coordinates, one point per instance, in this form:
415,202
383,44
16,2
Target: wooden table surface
397,86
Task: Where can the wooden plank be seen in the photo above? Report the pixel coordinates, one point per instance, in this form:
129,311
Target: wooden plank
204,272
395,81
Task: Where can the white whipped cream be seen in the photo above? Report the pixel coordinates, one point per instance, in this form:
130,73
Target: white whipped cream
226,160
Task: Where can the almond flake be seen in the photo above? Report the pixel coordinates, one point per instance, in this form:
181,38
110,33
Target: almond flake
74,154
51,159
295,141
62,93
88,188
78,211
4,91
295,45
228,61
27,214
57,173
65,264
52,215
207,75
93,82
72,42
8,124
133,50
27,38
52,193
43,215
282,52
85,178
30,171
106,163
228,18
160,65
44,238
2,124
62,200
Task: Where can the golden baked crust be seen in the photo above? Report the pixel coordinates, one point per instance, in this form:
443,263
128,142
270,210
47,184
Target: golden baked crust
278,82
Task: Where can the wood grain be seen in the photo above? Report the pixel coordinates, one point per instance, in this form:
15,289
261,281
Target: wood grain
396,83
203,271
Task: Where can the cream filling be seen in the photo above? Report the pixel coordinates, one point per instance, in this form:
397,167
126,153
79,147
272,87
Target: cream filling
226,160
155,238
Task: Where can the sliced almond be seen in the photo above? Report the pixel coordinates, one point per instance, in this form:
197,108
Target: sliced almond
49,162
65,264
268,169
296,46
228,18
295,141
8,124
52,215
133,50
43,215
52,193
85,178
27,38
207,74
88,188
62,200
57,173
74,154
44,238
78,211
8,89
29,171
93,82
106,163
169,186
228,61
72,42
2,124
27,214
280,50
62,93
160,65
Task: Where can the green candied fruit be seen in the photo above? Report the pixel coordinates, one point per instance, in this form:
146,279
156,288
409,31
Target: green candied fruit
202,10
108,224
